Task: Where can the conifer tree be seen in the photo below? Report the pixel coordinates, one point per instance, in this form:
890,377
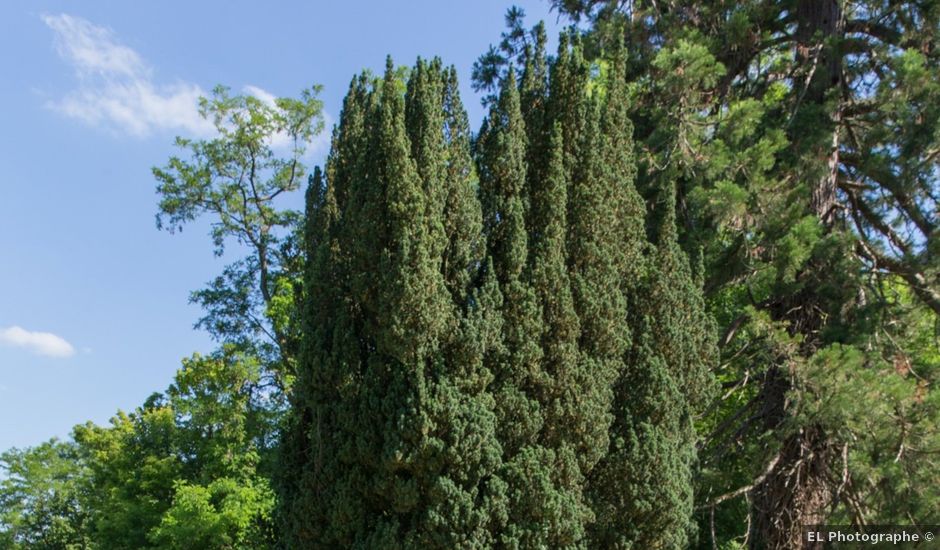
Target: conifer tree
460,416
617,168
569,102
643,489
502,172
544,506
809,182
424,122
595,277
533,97
548,276
462,214
509,371
574,428
533,87
683,331
309,461
394,426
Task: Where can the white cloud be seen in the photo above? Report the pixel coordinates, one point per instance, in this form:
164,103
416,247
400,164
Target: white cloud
116,89
41,343
92,49
115,85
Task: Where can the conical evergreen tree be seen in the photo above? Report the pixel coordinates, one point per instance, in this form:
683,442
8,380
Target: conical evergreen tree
544,507
617,168
643,489
424,122
569,103
533,97
309,459
395,428
509,365
460,419
462,212
533,90
593,251
548,276
573,424
502,172
684,332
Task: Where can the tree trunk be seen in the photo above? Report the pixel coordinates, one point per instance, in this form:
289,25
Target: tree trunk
819,22
797,492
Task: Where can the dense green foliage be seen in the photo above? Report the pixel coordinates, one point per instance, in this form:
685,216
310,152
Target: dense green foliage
394,412
679,290
802,136
41,498
183,470
234,179
473,404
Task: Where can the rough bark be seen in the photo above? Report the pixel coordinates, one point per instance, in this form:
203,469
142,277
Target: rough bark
797,490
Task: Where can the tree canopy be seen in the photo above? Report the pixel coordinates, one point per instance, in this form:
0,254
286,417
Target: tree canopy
680,289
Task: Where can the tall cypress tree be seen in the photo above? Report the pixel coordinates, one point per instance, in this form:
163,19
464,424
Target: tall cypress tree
593,251
502,172
509,371
460,418
684,332
643,315
462,212
548,276
394,424
424,123
617,168
574,417
605,237
309,460
569,102
533,97
533,90
544,506
643,489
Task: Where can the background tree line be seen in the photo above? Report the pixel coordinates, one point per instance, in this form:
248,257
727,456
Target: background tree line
680,289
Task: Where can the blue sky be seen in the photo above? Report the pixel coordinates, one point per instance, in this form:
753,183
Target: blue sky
93,299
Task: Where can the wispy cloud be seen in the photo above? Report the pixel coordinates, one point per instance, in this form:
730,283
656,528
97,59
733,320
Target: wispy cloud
40,343
116,87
